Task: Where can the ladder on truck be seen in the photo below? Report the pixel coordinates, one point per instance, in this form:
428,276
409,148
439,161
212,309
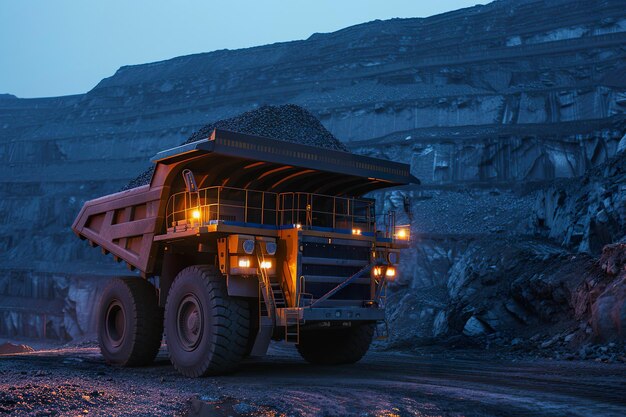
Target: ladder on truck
277,293
267,308
292,325
268,292
272,298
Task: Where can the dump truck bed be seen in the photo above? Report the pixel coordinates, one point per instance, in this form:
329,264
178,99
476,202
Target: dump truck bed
125,224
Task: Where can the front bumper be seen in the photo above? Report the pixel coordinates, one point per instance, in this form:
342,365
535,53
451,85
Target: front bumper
342,314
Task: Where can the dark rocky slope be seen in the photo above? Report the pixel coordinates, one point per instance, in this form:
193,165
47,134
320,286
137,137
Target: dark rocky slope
496,277
488,104
588,212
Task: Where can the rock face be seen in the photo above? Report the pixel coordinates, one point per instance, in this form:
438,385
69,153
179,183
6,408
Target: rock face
49,306
585,213
519,293
494,101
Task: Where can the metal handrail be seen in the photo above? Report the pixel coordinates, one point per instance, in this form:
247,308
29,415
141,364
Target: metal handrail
302,292
265,286
305,209
302,209
213,204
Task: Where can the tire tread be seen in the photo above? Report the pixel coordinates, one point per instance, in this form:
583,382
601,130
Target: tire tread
147,316
229,331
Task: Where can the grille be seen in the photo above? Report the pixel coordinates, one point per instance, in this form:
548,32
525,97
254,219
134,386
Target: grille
325,265
335,251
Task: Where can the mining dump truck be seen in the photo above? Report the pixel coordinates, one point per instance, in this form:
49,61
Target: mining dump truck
239,240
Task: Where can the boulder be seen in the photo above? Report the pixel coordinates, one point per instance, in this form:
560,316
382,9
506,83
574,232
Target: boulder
613,258
608,313
474,327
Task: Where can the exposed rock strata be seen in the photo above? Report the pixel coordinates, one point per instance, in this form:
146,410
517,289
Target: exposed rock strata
585,213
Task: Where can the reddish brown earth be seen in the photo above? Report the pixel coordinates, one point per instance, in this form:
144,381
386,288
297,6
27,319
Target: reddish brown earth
8,348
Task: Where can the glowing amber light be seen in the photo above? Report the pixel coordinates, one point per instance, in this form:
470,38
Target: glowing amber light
356,231
377,271
266,264
244,263
391,272
402,234
195,214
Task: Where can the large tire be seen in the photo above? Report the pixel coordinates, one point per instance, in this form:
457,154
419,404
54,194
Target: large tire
335,346
206,330
130,322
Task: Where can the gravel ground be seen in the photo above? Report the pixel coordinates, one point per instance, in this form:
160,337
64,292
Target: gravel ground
289,122
75,381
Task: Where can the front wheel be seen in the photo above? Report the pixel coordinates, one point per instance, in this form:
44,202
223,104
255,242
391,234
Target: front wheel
336,346
206,330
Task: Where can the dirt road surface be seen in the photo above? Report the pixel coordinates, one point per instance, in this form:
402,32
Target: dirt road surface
76,381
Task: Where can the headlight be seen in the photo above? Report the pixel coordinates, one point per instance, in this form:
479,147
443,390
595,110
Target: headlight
377,271
195,214
403,232
248,246
356,231
266,264
270,247
391,272
244,263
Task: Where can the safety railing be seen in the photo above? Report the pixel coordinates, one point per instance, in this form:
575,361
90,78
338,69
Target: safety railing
307,209
396,232
215,204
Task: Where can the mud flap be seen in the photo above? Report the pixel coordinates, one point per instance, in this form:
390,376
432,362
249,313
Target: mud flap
240,286
263,337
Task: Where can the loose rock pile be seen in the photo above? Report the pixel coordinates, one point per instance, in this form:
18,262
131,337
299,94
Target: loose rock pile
290,123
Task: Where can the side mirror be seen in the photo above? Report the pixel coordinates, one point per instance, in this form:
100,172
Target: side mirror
190,181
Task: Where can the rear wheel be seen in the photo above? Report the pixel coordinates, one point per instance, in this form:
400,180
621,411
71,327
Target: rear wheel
206,330
336,346
130,322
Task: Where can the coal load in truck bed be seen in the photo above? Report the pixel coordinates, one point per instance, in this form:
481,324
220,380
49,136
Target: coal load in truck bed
288,122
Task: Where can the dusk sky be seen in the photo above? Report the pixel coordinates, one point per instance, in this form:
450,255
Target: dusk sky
61,47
